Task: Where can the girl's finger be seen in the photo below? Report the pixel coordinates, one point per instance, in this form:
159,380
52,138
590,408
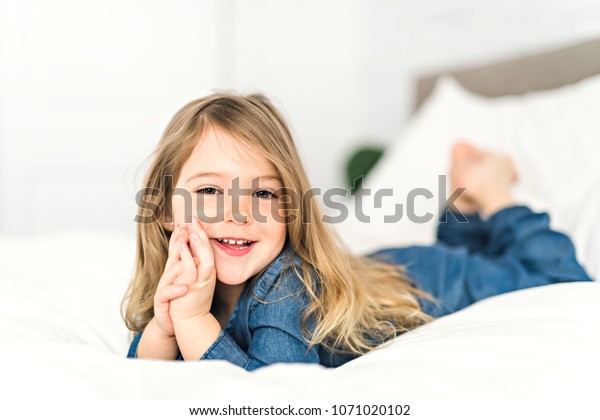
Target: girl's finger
175,254
170,274
197,227
189,267
165,294
173,251
201,245
173,238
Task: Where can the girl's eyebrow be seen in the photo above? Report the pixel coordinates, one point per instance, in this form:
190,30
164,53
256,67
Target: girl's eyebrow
204,175
220,175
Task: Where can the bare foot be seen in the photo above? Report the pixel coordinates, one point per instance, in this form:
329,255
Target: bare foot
486,176
463,153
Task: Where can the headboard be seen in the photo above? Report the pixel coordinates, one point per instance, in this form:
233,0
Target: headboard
547,70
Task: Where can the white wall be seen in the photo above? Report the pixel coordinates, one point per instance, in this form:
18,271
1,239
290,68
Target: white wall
307,55
87,88
344,70
405,38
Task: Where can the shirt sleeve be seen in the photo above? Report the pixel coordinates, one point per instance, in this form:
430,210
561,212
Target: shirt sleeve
275,330
269,345
468,230
521,252
133,347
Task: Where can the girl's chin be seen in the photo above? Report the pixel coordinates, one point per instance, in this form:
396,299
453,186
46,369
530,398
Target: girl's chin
231,282
230,278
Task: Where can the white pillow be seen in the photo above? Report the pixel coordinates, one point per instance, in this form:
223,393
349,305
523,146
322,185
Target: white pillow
553,136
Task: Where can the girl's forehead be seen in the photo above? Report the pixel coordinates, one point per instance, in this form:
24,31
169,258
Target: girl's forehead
217,149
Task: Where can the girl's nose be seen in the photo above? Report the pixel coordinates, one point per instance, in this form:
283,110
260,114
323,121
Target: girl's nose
237,209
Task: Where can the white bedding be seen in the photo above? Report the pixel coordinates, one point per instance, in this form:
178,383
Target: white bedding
61,335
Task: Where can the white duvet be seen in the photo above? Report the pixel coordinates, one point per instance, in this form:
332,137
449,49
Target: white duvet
61,335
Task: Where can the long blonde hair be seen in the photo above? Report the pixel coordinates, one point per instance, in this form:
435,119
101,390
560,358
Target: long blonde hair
355,302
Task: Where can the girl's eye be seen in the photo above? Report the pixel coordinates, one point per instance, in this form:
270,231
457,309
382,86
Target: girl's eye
207,190
264,194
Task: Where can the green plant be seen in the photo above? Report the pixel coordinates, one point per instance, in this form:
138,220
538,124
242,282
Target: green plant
359,164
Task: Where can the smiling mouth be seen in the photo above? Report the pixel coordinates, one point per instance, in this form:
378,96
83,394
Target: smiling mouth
234,243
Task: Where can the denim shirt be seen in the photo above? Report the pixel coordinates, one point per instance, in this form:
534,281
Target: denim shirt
514,249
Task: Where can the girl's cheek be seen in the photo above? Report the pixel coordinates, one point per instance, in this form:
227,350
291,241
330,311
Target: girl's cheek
266,208
208,208
281,210
177,208
277,211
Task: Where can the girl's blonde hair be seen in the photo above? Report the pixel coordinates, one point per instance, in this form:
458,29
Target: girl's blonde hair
356,302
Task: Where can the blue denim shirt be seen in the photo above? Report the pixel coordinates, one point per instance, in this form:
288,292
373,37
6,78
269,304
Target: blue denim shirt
514,249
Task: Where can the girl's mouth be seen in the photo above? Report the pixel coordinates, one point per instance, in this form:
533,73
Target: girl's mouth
236,247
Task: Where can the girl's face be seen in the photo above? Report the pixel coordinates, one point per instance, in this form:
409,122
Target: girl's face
231,191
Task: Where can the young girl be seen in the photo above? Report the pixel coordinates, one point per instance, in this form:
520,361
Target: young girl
235,263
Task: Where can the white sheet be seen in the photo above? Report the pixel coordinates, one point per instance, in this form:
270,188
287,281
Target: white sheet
61,337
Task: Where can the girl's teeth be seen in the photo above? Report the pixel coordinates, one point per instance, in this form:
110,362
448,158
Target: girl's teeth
233,242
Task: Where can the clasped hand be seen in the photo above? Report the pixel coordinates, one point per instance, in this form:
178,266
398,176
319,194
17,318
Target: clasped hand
186,288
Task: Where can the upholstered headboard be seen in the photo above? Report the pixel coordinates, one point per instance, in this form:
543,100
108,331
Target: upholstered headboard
541,71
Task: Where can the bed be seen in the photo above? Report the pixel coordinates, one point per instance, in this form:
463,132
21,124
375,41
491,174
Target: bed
61,335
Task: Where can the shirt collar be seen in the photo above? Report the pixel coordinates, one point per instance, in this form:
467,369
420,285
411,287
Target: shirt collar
271,273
